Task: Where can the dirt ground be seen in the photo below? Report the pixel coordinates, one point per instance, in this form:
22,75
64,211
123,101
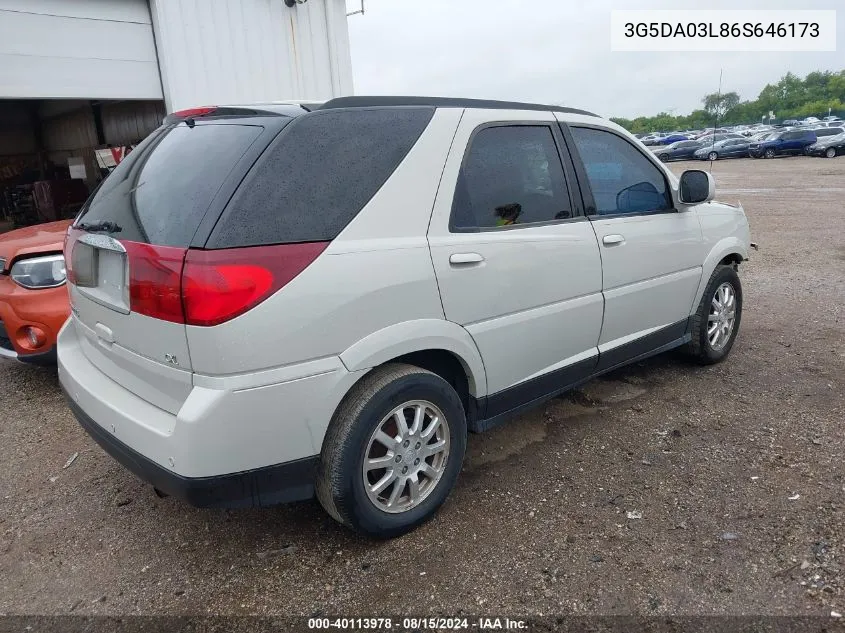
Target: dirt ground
664,488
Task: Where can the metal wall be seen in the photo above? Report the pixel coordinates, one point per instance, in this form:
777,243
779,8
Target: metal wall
239,51
130,121
77,49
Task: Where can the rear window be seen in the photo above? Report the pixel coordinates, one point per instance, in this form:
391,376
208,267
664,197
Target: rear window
318,174
161,191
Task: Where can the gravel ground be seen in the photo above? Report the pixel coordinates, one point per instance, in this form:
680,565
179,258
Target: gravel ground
663,488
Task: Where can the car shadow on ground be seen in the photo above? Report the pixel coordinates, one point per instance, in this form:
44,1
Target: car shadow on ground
265,532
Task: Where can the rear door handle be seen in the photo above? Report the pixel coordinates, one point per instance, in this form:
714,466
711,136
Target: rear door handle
465,258
610,240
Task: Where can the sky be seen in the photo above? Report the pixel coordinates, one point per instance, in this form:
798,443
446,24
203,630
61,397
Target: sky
557,51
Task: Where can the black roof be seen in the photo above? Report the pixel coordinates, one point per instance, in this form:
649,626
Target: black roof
444,102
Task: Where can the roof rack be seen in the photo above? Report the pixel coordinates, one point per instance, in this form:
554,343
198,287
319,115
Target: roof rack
444,102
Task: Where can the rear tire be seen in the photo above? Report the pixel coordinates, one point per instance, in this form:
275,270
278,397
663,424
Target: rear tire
348,477
706,346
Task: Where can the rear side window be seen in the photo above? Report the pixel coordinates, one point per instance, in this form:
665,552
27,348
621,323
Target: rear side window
162,190
511,175
318,174
621,178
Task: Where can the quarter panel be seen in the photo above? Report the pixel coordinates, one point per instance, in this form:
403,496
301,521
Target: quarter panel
419,335
338,300
375,274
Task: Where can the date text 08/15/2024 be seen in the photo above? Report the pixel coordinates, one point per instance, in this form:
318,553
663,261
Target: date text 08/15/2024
419,624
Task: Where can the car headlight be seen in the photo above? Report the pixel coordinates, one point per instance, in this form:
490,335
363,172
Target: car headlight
39,272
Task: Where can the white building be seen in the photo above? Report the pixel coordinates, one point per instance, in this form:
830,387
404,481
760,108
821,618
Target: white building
76,75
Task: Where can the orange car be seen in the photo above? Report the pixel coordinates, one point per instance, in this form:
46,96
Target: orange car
33,297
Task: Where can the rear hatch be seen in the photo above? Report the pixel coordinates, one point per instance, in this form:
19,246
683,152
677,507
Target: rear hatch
126,250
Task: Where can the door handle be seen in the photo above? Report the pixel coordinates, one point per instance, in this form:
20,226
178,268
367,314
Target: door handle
465,258
610,240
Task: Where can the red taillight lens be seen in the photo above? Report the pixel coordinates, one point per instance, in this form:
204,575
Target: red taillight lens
219,285
155,280
210,287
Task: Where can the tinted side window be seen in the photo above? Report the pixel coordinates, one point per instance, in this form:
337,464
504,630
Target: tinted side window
318,174
511,175
621,178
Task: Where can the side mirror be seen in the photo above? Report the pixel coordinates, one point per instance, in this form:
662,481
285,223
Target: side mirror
696,186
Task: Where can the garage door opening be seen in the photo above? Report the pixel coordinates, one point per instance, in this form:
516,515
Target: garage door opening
54,152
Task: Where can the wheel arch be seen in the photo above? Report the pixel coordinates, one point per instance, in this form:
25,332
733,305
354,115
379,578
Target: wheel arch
437,345
730,250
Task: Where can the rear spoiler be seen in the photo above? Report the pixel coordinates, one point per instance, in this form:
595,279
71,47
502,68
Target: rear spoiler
191,114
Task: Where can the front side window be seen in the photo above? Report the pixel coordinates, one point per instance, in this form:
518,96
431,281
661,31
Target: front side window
621,178
512,175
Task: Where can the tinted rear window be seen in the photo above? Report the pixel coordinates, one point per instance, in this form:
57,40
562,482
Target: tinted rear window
318,174
161,191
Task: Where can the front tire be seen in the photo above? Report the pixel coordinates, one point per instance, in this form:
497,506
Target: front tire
664,158
770,153
392,452
830,152
712,156
715,323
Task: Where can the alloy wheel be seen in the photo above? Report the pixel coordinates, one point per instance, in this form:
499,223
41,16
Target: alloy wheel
720,321
712,156
830,153
406,456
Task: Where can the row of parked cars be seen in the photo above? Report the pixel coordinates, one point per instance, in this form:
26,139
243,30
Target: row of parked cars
826,140
755,129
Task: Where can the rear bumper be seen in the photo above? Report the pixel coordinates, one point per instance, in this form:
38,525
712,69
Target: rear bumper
266,486
235,440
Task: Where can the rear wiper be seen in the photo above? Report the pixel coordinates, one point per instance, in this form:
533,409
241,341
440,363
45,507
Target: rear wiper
105,227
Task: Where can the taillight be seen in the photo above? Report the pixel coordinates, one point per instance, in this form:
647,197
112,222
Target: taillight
207,288
219,285
155,280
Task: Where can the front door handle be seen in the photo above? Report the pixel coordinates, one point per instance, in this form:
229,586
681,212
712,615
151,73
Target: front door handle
610,240
465,258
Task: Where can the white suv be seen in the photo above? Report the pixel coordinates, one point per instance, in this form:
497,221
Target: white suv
269,301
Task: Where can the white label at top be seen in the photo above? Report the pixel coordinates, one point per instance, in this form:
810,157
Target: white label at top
723,30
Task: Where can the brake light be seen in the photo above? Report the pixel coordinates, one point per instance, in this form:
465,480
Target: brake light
219,285
206,288
191,113
155,280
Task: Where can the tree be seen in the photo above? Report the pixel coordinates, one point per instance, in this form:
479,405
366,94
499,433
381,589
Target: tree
717,104
791,97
